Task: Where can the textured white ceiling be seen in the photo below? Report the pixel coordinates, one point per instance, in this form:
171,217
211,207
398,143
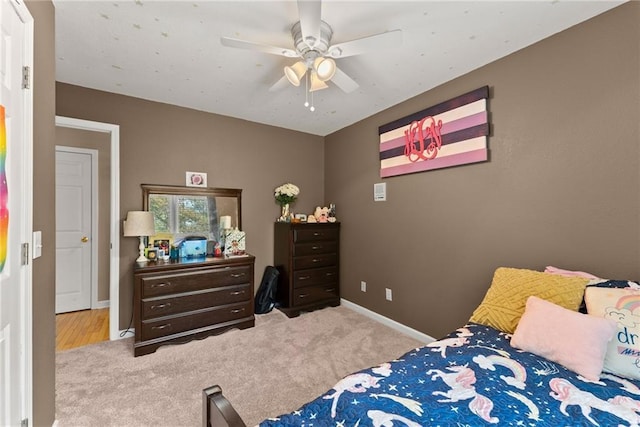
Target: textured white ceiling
170,51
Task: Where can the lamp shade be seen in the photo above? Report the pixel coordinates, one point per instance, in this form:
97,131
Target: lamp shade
295,72
139,223
325,68
316,83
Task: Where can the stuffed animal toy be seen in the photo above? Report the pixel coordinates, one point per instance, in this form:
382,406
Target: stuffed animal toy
321,214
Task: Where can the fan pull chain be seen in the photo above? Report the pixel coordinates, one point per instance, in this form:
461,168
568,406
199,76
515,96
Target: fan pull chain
306,89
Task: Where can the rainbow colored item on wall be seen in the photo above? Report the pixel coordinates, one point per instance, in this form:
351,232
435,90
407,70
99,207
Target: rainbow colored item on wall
4,191
451,133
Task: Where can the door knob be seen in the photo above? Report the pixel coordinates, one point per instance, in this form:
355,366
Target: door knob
84,239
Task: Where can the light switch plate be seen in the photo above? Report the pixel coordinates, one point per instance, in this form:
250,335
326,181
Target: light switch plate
380,192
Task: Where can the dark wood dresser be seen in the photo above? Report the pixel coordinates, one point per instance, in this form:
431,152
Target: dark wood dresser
177,301
307,257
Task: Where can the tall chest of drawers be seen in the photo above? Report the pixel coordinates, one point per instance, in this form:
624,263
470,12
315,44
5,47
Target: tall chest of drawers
307,257
175,302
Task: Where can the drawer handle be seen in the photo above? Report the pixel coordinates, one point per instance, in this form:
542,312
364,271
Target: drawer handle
235,276
160,285
317,234
160,306
161,327
330,290
237,310
315,260
315,248
304,277
303,295
237,293
329,274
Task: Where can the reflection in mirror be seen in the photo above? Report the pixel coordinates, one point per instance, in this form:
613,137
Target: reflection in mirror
180,212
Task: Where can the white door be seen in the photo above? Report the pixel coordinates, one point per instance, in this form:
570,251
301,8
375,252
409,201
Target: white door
16,195
73,230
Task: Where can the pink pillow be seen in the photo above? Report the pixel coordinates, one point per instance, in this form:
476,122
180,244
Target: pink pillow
569,273
575,340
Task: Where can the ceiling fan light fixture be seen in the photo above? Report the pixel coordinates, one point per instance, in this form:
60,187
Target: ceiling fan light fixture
325,68
295,72
316,83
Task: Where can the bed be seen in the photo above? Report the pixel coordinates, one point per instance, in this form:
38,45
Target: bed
541,364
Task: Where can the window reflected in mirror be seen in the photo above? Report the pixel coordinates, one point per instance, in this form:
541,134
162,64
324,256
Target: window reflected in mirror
184,215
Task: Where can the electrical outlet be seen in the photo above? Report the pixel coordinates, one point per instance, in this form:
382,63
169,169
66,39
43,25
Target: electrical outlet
389,296
363,286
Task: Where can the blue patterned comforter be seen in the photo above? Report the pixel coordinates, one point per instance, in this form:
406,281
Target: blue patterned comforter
471,378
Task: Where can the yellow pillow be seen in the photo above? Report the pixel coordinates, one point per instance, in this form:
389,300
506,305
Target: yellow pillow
506,299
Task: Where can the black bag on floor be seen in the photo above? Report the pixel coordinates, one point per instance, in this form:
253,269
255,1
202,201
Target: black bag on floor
266,297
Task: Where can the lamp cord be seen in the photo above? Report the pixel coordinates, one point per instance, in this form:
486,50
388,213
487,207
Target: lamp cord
123,333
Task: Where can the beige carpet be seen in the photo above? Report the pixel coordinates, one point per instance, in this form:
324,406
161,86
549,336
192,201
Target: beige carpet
264,371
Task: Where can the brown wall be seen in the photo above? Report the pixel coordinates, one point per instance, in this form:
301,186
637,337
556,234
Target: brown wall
160,142
101,142
561,188
44,325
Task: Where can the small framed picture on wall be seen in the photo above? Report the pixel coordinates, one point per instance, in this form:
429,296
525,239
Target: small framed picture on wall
196,179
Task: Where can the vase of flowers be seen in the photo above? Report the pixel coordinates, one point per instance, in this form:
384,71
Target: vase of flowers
285,195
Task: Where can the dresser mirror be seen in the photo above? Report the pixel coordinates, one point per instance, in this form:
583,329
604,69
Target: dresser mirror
180,212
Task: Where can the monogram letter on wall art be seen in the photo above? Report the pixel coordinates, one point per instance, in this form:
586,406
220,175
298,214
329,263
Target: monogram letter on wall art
451,133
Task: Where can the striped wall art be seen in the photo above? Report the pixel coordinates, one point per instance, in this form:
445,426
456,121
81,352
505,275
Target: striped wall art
451,133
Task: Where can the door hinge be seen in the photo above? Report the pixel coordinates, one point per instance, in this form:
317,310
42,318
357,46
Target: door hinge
26,77
24,422
24,256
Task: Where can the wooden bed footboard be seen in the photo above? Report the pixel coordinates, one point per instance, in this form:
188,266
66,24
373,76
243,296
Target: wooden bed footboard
217,410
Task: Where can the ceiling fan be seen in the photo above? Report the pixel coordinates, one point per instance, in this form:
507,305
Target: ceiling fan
312,45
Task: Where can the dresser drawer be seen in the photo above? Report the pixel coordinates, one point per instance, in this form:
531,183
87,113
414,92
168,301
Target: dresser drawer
317,276
311,294
169,325
320,247
315,234
174,283
163,306
321,260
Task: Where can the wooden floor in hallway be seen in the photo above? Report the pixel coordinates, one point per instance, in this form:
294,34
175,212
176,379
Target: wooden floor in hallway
79,328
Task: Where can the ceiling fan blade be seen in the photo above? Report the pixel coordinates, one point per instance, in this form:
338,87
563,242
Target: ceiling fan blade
366,44
344,82
280,84
243,44
309,12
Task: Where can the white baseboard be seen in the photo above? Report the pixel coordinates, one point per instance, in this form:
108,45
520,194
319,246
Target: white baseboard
126,333
388,322
55,423
100,304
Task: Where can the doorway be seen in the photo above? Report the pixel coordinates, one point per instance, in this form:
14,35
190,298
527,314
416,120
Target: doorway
112,240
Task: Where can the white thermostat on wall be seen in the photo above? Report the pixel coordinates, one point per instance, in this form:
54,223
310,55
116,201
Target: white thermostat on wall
380,192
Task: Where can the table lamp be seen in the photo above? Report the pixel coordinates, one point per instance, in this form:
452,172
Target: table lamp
139,224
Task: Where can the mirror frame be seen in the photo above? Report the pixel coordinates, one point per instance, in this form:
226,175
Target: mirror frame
148,189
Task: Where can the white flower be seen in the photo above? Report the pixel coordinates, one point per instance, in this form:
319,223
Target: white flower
286,193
